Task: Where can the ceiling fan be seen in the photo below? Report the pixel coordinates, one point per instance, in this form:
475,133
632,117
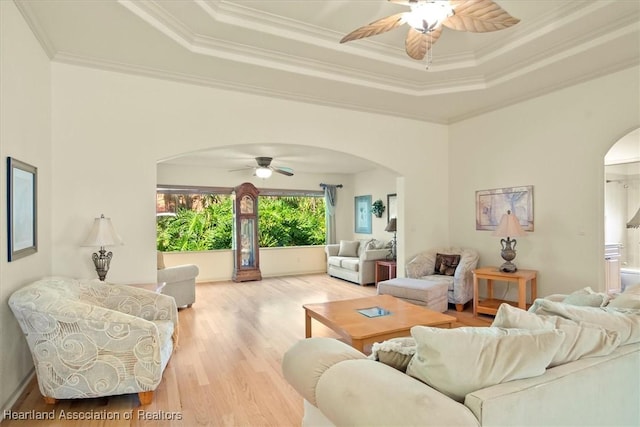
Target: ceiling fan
427,17
264,168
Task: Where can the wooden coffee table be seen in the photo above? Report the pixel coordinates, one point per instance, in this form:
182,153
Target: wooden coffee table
343,317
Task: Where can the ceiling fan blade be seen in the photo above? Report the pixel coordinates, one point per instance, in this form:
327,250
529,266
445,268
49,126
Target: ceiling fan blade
241,169
417,44
478,16
283,171
377,27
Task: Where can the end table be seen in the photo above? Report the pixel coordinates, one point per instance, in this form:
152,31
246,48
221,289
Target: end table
490,304
385,270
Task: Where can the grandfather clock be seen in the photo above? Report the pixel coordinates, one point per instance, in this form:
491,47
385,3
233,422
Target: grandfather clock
246,250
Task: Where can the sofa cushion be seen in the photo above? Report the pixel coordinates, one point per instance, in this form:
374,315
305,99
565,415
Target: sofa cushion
349,248
395,352
582,339
459,361
446,264
335,261
440,278
625,321
352,264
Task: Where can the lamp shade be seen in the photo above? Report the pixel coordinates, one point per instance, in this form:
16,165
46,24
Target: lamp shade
635,221
509,226
391,226
102,234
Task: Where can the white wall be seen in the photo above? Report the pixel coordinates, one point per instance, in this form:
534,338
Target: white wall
556,143
109,129
25,133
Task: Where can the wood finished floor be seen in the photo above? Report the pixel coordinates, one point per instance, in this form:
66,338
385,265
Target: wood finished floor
226,371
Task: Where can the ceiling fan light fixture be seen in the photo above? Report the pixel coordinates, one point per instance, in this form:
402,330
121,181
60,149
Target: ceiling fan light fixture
428,16
263,172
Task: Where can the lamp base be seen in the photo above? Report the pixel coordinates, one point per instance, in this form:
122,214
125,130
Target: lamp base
508,254
102,262
508,267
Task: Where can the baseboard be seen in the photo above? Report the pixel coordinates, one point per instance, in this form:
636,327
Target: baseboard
16,394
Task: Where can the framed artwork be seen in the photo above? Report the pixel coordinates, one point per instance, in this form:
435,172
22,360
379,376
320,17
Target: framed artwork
392,206
362,212
492,204
22,209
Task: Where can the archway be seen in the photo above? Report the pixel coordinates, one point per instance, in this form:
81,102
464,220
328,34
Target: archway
621,205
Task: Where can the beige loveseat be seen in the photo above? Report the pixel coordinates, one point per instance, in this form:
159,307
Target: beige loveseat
91,338
343,387
355,260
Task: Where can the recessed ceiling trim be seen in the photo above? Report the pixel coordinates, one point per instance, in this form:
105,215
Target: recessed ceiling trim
270,59
233,86
561,52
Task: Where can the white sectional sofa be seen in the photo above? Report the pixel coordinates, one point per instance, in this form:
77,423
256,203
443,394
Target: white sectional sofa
343,387
355,260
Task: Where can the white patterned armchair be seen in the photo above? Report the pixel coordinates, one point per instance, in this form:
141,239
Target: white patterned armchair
90,338
460,284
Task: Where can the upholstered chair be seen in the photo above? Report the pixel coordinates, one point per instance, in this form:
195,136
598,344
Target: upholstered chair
178,281
90,338
423,266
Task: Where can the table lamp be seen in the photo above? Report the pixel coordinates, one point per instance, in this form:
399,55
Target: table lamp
102,234
392,227
509,227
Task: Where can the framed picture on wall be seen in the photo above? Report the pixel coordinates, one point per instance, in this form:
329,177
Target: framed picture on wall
22,209
492,204
392,206
362,214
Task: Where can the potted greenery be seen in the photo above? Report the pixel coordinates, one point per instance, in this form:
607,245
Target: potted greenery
377,208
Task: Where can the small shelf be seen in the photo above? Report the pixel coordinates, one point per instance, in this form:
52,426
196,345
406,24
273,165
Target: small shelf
490,306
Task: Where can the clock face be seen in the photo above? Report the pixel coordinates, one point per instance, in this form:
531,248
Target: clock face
246,205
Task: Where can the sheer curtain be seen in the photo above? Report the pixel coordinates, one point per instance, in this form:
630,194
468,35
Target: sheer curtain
330,201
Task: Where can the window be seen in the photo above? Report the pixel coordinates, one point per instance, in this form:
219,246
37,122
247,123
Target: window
200,218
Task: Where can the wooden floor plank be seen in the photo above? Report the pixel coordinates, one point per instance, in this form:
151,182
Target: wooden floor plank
226,370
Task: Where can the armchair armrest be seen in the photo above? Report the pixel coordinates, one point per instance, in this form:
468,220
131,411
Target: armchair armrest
332,249
178,273
137,302
350,389
375,254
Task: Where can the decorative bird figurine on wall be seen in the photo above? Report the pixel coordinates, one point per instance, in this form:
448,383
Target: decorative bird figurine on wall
427,17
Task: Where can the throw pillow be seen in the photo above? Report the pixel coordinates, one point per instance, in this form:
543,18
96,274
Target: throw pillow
459,361
581,339
625,300
587,297
633,289
348,248
446,264
622,320
395,352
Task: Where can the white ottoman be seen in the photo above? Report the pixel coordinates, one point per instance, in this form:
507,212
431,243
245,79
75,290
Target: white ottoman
430,293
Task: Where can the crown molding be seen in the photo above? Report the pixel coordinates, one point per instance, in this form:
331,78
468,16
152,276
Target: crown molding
36,28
